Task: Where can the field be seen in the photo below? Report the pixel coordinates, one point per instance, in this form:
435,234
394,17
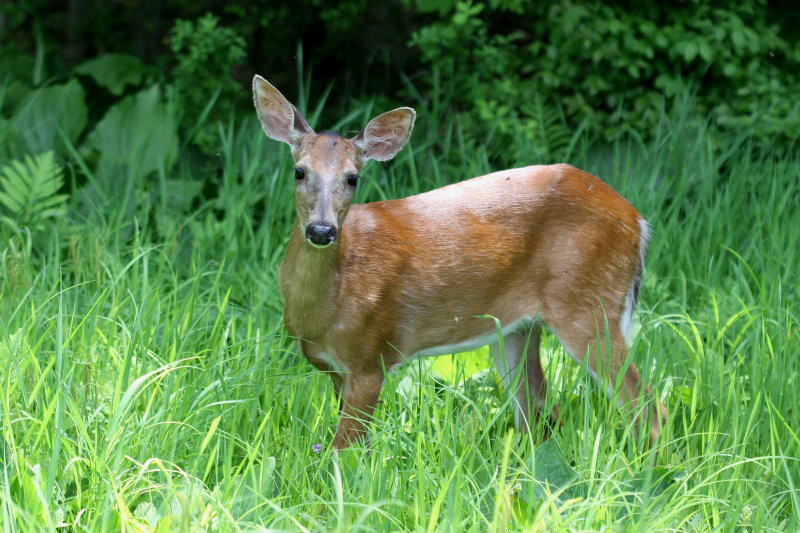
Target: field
148,384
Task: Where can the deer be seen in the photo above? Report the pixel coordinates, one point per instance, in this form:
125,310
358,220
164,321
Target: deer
368,287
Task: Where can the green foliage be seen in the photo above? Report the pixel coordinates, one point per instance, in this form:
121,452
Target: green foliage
29,191
137,137
148,384
47,119
15,76
476,69
525,76
114,71
614,64
205,53
139,132
554,473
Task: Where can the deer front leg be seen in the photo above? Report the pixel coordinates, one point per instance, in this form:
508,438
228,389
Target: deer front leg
321,363
360,395
336,378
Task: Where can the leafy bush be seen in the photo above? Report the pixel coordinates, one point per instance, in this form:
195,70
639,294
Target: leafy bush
206,53
614,64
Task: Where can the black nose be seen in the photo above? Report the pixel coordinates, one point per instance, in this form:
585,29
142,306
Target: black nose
320,233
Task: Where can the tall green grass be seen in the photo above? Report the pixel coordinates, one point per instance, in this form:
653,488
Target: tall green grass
148,385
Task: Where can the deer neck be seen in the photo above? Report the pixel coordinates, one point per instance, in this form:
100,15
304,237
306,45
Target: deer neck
307,281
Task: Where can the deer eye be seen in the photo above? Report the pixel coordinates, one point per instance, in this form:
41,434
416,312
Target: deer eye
352,179
299,173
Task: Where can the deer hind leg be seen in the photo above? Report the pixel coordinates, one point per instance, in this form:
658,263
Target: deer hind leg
525,382
586,336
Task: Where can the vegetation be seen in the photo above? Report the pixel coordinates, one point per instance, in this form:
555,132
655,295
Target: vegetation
611,65
602,66
146,381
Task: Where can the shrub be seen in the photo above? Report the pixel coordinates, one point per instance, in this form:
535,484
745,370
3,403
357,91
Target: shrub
615,64
206,53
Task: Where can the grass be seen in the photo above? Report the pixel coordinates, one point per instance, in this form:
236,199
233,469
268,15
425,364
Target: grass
148,385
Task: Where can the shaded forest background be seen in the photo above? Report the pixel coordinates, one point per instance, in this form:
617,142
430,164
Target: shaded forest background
606,67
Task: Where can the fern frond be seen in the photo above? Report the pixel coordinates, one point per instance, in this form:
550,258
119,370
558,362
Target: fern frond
29,188
551,134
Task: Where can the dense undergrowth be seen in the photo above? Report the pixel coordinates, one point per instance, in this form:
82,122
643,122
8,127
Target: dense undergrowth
148,385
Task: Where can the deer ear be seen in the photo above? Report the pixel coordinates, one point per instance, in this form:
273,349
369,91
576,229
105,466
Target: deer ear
280,119
386,134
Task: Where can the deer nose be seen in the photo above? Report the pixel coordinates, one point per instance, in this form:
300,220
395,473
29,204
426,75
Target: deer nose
320,233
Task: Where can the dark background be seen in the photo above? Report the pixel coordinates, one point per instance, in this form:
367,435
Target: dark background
609,63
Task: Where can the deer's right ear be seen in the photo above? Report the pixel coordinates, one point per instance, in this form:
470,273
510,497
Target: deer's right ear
280,119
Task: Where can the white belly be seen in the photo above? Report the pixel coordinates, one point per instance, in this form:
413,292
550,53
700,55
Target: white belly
476,342
485,339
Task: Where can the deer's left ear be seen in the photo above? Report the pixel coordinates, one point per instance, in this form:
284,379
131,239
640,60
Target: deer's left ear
386,134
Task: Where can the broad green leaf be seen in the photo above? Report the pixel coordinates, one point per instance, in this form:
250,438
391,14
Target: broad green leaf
137,136
45,115
114,71
553,474
551,467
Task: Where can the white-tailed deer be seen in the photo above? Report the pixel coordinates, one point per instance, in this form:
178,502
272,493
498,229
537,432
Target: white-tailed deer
367,287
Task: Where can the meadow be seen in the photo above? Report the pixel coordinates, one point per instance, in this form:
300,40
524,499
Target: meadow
148,384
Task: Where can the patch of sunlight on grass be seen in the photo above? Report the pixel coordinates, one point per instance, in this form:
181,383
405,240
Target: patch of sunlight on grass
458,367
